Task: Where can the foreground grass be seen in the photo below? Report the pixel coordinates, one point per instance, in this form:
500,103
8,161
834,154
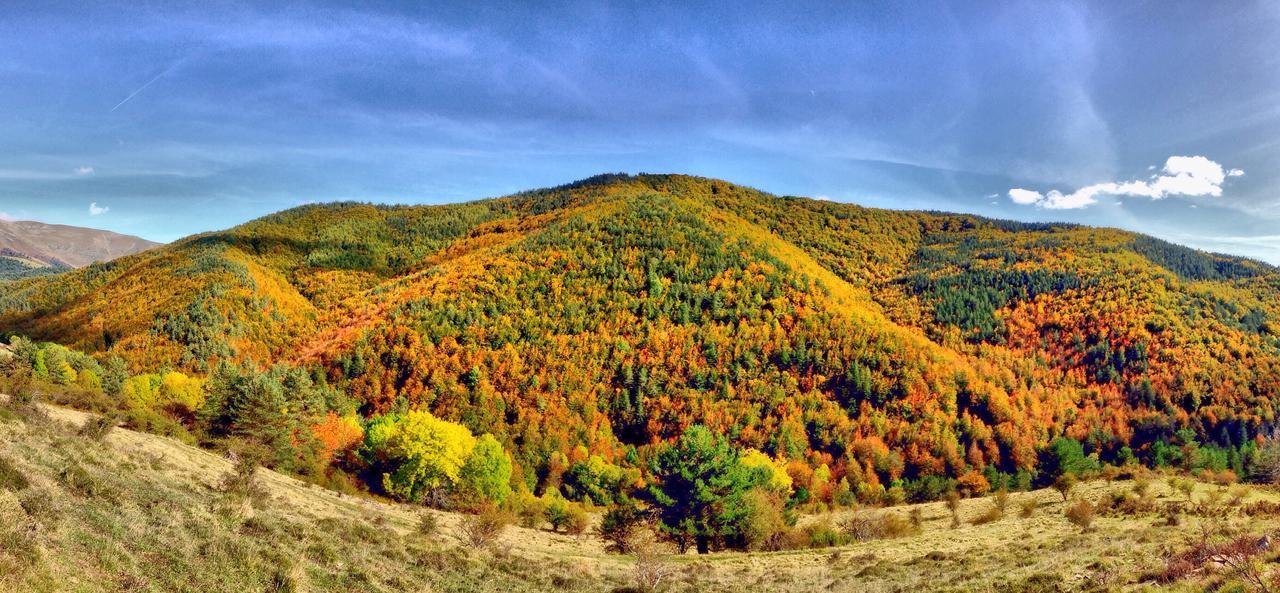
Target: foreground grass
138,512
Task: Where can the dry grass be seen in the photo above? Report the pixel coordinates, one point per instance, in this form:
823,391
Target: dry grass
140,513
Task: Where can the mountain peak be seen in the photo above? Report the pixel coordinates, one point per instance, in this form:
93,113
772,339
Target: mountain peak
65,246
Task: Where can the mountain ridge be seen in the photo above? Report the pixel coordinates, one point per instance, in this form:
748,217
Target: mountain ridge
36,248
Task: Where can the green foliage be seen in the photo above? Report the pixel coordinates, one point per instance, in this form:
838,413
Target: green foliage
487,471
274,409
597,480
1064,456
1193,264
620,526
700,490
417,454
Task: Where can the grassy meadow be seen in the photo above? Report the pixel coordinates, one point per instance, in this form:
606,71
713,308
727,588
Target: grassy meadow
138,512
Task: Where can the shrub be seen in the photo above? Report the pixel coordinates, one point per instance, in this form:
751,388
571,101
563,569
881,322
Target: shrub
1238,493
653,565
557,511
1225,477
241,482
1262,508
82,483
1141,486
11,478
765,525
1185,486
529,510
1081,514
1065,484
577,521
428,525
991,515
817,535
885,525
953,505
483,529
619,528
1027,508
96,428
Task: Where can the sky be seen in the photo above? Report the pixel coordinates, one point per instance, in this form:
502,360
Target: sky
161,120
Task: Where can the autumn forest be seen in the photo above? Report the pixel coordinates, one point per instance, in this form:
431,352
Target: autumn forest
594,343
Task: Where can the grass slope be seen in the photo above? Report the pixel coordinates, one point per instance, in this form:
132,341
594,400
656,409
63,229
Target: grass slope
138,512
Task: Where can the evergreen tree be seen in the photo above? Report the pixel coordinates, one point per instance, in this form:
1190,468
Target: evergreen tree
700,490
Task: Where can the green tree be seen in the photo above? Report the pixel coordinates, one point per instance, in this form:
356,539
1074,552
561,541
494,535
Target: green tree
487,471
700,490
417,454
1064,456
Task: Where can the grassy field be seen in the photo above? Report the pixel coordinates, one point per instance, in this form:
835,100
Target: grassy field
137,512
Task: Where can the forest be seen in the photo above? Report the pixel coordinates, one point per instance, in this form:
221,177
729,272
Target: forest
627,341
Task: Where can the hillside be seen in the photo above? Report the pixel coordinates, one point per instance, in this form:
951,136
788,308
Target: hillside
606,316
137,512
30,248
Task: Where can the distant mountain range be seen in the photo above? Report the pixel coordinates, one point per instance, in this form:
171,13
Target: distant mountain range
605,316
29,248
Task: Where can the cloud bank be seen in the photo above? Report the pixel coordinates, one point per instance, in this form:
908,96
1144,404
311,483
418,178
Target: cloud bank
1181,176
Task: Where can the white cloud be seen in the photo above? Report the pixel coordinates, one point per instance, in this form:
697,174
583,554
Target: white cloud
95,209
1181,176
84,170
6,216
1024,196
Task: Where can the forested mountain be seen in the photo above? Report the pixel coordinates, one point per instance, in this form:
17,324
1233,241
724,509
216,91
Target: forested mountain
29,248
583,324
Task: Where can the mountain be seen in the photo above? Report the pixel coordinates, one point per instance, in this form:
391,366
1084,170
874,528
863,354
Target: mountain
32,248
602,317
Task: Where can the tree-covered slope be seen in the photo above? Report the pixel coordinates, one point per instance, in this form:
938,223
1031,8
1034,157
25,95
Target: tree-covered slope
604,316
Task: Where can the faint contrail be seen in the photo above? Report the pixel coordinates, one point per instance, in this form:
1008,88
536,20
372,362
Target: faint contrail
140,89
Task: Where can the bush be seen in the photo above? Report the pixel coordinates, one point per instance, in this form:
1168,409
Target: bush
81,483
577,520
11,478
530,510
1081,514
953,505
483,529
999,504
428,525
1065,484
242,482
96,428
653,566
619,528
1027,508
766,524
885,525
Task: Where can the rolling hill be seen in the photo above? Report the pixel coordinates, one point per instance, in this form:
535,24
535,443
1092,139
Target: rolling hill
29,248
602,317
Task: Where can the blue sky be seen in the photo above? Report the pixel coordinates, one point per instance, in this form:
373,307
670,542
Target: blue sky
163,121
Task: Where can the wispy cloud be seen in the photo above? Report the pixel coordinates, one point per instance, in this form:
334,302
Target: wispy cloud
84,171
96,210
1181,176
